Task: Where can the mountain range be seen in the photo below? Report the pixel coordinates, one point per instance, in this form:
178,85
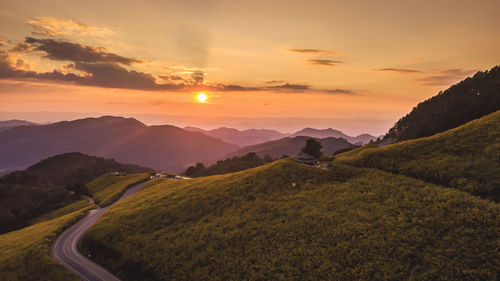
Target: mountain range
332,133
124,139
291,146
241,138
7,124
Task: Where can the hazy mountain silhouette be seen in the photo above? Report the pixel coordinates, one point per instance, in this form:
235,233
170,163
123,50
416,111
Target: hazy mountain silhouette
124,139
7,124
241,138
332,133
291,146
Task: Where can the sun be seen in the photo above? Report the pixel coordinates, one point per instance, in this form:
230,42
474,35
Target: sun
202,97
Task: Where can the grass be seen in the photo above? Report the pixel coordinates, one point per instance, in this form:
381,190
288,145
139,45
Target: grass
25,253
287,221
466,158
107,188
78,205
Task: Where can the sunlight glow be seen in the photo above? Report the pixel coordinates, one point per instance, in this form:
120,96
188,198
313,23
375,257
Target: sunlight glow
202,97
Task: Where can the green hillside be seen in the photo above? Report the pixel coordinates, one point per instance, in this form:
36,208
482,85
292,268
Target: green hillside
472,98
287,221
466,158
51,184
25,253
108,188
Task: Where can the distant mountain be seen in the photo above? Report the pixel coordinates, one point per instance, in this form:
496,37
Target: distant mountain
241,138
332,133
46,186
470,99
124,139
290,146
7,124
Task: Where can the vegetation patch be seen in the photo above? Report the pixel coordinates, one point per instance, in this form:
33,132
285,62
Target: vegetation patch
466,158
108,188
287,221
25,254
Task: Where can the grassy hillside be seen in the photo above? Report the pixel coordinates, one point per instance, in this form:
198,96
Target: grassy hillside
229,165
25,253
108,188
287,221
466,158
472,98
50,184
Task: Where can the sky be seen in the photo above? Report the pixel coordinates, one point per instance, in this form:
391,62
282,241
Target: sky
357,66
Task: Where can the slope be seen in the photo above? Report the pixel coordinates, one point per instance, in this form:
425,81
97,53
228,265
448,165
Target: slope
287,221
25,253
50,184
470,99
466,158
290,147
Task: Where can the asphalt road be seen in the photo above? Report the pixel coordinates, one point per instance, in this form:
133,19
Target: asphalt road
66,252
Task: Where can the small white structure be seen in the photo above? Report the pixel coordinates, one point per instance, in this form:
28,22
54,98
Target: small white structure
160,176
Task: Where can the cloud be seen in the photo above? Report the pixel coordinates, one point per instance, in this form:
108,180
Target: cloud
314,52
53,27
398,70
93,66
445,77
274,82
324,62
102,74
68,51
281,88
3,42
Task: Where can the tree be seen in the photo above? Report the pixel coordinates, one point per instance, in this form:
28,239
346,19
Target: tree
313,148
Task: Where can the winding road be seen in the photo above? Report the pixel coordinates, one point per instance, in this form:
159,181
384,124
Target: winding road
65,248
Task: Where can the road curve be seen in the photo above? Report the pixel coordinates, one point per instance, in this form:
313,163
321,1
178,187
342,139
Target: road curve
65,248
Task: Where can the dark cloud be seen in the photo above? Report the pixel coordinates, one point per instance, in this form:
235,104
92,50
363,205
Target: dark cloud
9,71
274,82
198,77
91,66
68,51
282,88
172,78
313,52
325,62
445,77
398,70
107,75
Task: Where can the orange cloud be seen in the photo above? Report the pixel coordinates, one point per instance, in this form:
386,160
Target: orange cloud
54,27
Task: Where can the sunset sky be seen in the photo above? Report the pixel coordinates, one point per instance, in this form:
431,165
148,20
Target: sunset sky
352,65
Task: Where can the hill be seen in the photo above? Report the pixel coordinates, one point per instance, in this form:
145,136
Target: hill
229,165
51,184
466,158
25,253
472,98
7,124
332,133
124,139
290,147
241,138
288,221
